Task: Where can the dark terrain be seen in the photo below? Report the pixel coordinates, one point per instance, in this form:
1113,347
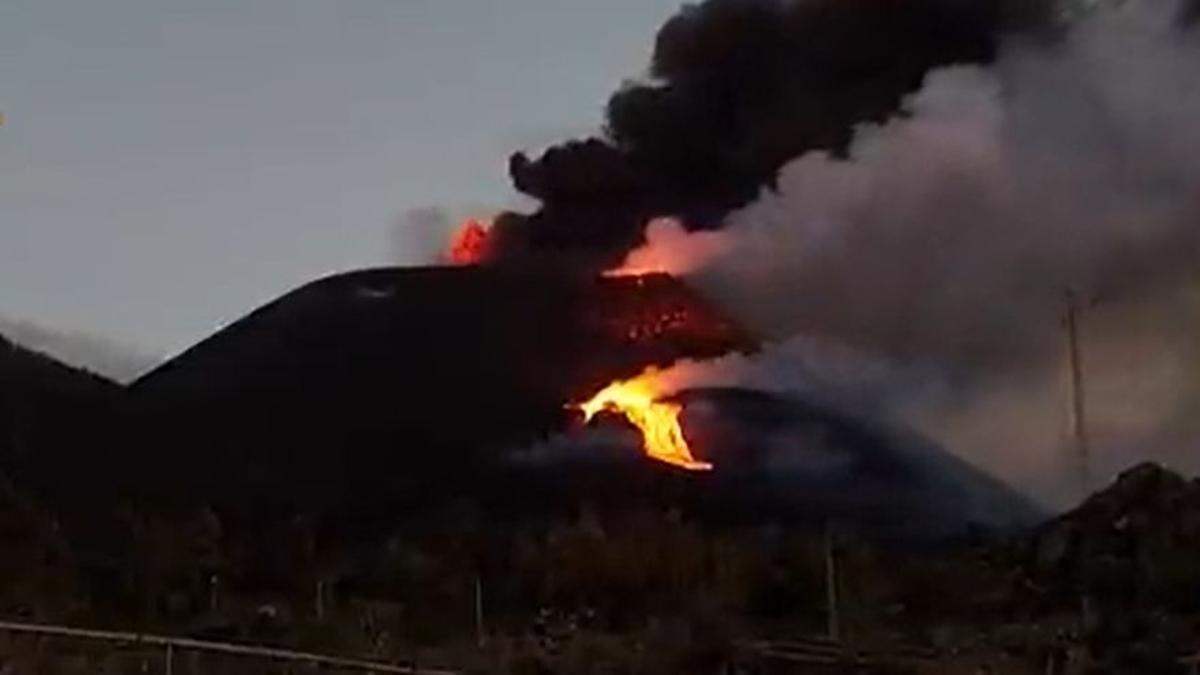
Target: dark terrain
358,466
363,386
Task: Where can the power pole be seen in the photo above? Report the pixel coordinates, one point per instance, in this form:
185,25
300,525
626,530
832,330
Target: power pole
480,637
831,584
1077,389
214,597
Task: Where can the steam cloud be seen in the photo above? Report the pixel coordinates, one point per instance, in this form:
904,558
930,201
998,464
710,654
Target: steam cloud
938,250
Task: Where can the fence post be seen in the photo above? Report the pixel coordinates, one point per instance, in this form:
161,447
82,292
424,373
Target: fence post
170,658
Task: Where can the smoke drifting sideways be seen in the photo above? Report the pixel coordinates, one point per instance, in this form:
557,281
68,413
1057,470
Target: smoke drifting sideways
737,88
937,251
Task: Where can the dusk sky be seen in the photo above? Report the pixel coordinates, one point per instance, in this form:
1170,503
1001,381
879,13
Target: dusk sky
168,165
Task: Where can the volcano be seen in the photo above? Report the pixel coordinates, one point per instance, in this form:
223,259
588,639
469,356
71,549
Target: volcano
389,383
396,391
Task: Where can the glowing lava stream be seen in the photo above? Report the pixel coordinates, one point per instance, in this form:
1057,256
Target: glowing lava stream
662,437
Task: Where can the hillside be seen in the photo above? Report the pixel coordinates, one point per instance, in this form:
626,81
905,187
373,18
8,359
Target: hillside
342,468
80,350
49,412
377,394
377,385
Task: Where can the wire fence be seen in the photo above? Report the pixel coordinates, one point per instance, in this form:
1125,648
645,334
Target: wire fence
171,645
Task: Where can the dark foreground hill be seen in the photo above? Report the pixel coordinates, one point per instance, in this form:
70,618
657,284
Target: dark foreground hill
50,411
1133,546
360,465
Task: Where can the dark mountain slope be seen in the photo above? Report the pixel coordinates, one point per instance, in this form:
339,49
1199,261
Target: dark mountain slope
779,459
394,392
36,372
51,413
385,384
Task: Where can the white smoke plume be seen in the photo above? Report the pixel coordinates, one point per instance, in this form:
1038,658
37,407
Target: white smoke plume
945,243
419,236
671,249
422,236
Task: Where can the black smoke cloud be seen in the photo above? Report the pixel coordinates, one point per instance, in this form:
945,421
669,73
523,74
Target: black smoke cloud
737,88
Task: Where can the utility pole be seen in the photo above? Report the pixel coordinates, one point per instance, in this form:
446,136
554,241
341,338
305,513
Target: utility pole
214,592
480,638
1077,389
831,584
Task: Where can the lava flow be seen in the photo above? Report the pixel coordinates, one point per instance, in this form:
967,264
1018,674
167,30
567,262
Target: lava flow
658,421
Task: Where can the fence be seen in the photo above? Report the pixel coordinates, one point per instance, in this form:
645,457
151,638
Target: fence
824,652
171,644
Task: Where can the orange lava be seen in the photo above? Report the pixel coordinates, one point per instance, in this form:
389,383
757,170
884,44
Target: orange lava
471,244
658,421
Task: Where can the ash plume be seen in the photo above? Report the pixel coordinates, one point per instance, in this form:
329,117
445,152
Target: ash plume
736,89
946,238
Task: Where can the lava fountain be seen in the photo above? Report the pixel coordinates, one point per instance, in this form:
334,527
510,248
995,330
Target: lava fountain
658,421
471,244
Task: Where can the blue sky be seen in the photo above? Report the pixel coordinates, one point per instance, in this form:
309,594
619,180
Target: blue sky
168,165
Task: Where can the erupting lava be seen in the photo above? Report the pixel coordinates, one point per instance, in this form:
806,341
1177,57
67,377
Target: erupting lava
636,399
471,243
